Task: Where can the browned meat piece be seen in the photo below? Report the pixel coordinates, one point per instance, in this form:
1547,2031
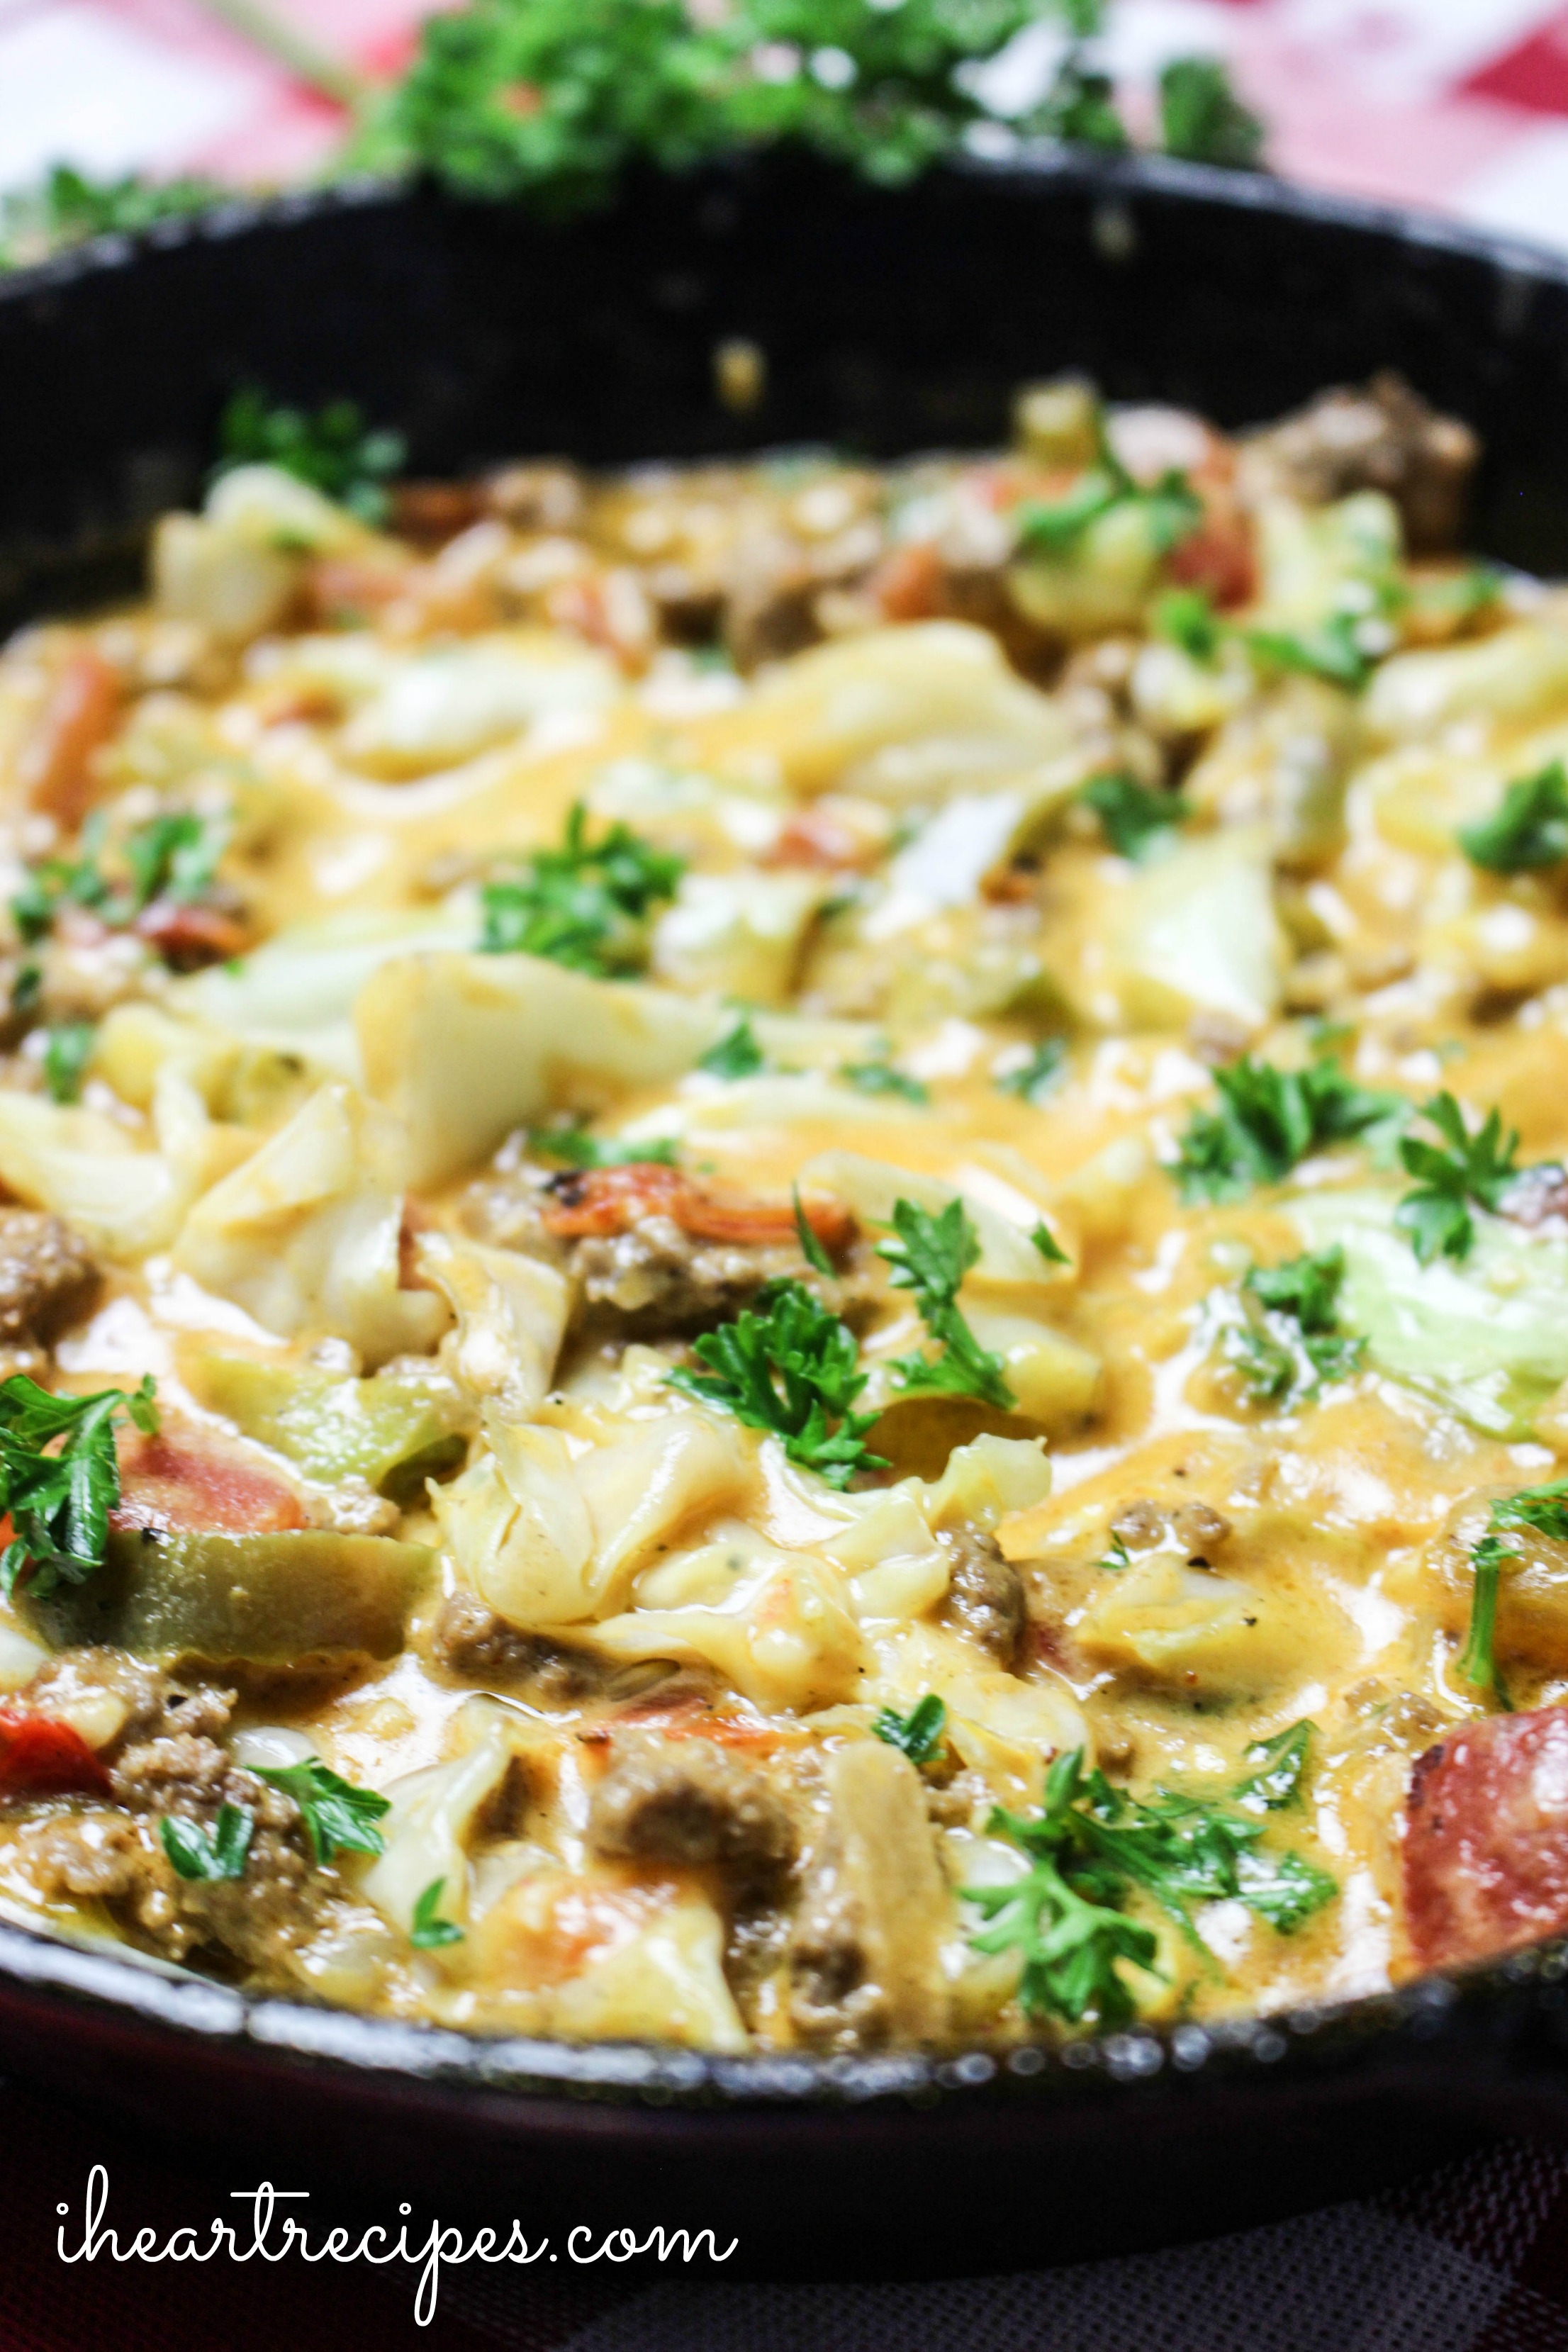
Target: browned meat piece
776,604
548,497
1140,1524
985,1597
470,1640
651,1251
149,1702
1384,438
686,1800
46,1275
863,1953
1198,1528
1486,1847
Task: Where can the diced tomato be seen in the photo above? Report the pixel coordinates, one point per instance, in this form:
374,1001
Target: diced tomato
1218,558
79,715
1486,1847
165,1484
189,937
41,1757
606,1200
909,585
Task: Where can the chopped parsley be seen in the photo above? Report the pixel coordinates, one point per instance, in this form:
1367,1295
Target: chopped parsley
1269,1121
1132,815
930,1257
1464,1169
1290,1341
333,450
1116,1556
1043,1071
66,1057
339,1817
585,905
578,1149
918,1735
737,1055
1544,1508
172,857
882,1078
790,1366
1053,527
1281,1764
429,1932
811,1248
216,1853
1186,617
58,1501
1050,1249
1331,650
1202,119
1089,1847
1529,827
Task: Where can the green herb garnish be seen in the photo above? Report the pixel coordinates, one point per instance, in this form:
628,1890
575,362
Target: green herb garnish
1053,527
1281,1764
1528,829
1269,1121
1187,618
217,1853
1332,650
430,1933
737,1055
585,905
811,1249
1132,815
60,1501
1544,1508
339,1817
1090,1846
882,1078
1046,1242
1461,1170
1290,1341
66,1057
790,1366
171,857
930,1257
578,1149
1038,1076
333,450
919,1734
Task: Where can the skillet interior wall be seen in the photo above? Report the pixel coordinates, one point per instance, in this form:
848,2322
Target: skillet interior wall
892,321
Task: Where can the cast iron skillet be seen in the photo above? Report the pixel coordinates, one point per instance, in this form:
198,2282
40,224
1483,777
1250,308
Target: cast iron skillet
890,322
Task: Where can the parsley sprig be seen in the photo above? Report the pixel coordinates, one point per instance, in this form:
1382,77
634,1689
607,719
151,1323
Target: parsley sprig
884,1078
1526,830
585,905
1269,1121
1281,1768
792,1367
736,1055
1034,1080
578,1149
930,1256
429,1932
1090,1846
66,1057
1465,1170
1544,1508
213,1854
338,1817
1133,816
60,1478
918,1735
1290,1341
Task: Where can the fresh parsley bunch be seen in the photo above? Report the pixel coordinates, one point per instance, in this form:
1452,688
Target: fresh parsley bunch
790,1366
1544,1508
1269,1121
1091,1845
60,1478
930,1256
585,905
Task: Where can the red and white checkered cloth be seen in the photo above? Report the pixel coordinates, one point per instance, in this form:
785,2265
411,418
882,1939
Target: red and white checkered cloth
1461,104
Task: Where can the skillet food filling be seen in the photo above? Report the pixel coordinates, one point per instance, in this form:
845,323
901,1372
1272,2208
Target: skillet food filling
784,1251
